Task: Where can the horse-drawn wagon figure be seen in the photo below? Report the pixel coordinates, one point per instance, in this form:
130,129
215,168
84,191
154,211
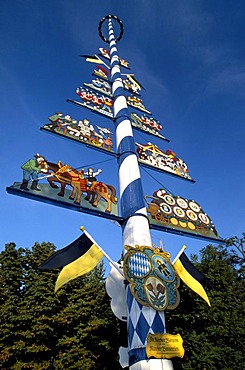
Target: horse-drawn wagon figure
179,214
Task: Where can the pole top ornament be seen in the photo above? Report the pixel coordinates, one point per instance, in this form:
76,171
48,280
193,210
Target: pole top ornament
120,25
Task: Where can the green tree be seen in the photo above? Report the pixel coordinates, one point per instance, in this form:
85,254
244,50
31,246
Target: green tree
25,308
237,247
213,336
11,292
75,327
91,332
37,307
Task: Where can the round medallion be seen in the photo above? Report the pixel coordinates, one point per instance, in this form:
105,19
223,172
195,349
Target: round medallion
204,218
165,208
191,215
182,203
179,212
168,199
194,206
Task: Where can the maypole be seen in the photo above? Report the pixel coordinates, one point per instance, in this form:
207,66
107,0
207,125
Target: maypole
142,320
149,282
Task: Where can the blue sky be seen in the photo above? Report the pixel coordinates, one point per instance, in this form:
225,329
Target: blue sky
189,56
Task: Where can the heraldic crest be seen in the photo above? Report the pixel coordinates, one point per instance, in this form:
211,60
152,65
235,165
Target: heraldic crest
153,280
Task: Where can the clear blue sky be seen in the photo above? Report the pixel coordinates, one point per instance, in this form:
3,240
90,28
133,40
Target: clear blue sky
189,55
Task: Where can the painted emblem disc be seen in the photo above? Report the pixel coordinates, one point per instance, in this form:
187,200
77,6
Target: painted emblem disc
191,215
170,200
165,208
204,218
179,212
194,206
139,264
182,203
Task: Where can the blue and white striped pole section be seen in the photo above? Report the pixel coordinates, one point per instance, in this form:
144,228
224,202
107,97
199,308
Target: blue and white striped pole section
142,320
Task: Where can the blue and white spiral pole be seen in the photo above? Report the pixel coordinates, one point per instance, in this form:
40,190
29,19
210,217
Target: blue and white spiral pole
142,320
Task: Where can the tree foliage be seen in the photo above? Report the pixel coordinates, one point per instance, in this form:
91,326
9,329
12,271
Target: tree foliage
213,336
77,329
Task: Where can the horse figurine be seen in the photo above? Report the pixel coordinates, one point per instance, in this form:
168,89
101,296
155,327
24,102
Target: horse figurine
66,175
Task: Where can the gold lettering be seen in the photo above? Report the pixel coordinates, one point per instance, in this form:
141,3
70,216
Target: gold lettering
164,346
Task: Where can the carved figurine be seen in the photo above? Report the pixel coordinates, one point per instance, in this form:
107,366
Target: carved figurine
91,175
66,175
31,169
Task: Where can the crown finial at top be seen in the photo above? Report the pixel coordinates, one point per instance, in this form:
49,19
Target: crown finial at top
120,25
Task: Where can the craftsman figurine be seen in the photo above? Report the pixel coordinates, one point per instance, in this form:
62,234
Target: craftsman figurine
31,169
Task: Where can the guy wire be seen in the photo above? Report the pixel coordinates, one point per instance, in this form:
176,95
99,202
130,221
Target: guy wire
164,187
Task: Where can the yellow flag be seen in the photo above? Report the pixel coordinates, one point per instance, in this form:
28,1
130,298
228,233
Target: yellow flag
80,266
191,276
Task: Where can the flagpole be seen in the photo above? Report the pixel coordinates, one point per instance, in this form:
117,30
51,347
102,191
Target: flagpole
179,254
142,320
102,250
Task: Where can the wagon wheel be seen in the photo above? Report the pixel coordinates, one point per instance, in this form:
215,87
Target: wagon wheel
165,220
158,216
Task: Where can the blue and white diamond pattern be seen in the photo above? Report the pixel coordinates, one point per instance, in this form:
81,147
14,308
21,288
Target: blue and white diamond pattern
139,264
142,321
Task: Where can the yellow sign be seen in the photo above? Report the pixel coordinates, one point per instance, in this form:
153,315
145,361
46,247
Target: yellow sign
164,346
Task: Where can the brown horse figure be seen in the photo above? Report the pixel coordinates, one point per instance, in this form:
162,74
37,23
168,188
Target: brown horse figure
66,175
102,191
74,178
52,169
